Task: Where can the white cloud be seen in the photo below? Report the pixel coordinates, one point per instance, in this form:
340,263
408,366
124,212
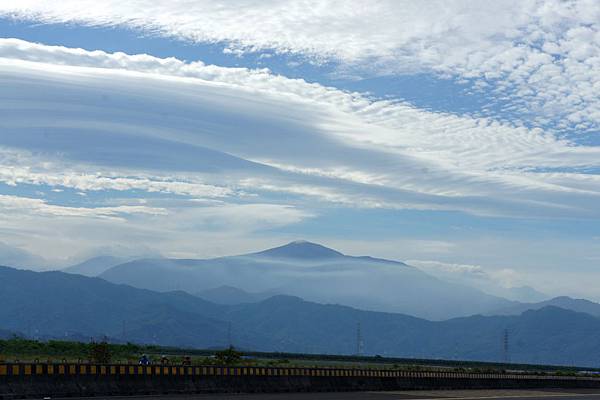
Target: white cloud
495,281
503,277
448,267
23,168
176,128
543,56
238,218
16,205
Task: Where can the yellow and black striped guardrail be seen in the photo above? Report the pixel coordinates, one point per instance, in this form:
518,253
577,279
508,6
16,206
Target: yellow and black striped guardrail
69,369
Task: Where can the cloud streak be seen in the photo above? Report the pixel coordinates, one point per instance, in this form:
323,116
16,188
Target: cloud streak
541,57
18,168
219,130
38,207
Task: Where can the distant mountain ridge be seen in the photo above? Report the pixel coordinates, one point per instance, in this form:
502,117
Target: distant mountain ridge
78,306
316,273
565,302
96,265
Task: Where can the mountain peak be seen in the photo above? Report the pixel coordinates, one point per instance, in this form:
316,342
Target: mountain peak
301,249
299,242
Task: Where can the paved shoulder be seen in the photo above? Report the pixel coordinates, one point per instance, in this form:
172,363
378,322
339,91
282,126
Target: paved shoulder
558,394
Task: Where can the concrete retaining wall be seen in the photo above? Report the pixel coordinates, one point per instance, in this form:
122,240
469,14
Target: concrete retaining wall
65,380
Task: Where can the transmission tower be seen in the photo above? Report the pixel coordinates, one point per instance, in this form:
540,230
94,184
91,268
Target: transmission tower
359,341
505,343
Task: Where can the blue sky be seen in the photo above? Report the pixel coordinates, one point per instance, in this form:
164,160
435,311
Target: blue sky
461,137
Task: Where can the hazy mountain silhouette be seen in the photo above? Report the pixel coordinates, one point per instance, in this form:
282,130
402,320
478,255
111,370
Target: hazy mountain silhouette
78,306
316,273
96,265
568,303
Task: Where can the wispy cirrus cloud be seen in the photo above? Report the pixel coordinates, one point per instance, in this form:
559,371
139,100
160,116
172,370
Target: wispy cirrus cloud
138,112
540,57
20,206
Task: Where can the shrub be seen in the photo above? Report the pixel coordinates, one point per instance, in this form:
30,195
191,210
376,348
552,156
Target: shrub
228,356
100,352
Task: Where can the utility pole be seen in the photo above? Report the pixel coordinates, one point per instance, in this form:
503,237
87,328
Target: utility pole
359,340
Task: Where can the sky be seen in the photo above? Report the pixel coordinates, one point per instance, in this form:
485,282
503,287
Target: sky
460,136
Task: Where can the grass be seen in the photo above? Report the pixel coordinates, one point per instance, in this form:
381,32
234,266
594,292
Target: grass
24,350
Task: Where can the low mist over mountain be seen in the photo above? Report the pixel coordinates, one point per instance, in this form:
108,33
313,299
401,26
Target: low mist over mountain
77,306
316,273
96,265
231,295
19,258
525,294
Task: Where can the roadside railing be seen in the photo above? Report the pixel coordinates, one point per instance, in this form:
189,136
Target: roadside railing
78,369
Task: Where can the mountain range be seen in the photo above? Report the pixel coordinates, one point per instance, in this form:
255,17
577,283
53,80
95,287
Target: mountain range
57,304
316,273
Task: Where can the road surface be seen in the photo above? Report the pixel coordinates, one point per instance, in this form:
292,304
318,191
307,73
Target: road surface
557,394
